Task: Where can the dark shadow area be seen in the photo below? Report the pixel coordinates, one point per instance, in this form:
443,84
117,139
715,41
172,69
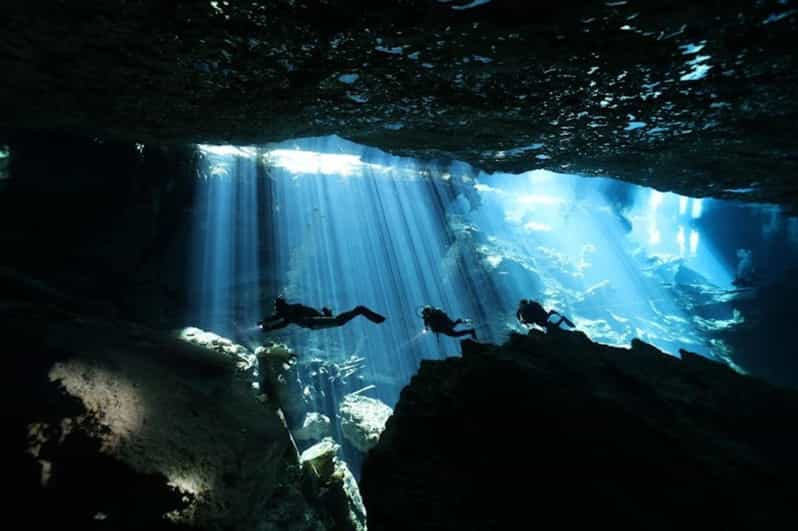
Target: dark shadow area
102,223
552,428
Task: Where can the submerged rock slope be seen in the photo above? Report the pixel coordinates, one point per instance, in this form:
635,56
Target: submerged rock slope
694,98
109,425
555,428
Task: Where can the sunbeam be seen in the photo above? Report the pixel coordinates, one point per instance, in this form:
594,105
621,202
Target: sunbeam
332,225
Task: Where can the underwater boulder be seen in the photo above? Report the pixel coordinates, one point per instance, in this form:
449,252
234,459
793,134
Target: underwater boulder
244,358
279,379
601,437
122,427
330,482
314,427
363,420
319,459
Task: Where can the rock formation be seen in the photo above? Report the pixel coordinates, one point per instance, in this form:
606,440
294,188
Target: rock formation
554,430
329,482
697,99
115,426
315,426
363,420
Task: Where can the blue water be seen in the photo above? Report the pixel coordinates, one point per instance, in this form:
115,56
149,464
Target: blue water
329,223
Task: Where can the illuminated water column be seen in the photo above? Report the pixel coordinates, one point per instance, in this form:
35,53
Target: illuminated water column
351,231
247,272
227,272
610,266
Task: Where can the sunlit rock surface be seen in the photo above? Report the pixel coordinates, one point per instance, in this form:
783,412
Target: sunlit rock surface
696,98
314,427
331,483
244,359
111,425
279,380
363,420
599,436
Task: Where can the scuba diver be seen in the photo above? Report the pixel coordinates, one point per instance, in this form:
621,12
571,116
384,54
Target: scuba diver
530,313
436,320
746,274
307,317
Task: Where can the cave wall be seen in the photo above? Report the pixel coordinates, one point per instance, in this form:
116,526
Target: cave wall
106,224
111,425
553,430
694,98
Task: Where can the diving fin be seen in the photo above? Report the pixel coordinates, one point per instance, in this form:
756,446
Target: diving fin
371,316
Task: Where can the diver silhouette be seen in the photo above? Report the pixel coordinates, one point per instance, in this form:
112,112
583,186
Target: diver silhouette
307,317
531,312
437,321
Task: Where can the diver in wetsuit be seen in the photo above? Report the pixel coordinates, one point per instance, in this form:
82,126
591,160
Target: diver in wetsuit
307,317
531,312
437,321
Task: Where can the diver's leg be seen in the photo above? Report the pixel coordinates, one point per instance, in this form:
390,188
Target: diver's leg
563,319
460,333
276,326
341,319
372,316
270,319
344,317
318,323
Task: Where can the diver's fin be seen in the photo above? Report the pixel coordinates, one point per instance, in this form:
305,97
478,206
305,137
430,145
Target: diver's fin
371,316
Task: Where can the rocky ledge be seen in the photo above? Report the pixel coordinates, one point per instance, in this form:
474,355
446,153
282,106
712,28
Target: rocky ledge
111,425
694,98
555,428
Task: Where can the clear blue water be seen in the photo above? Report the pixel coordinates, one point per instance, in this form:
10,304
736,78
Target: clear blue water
329,223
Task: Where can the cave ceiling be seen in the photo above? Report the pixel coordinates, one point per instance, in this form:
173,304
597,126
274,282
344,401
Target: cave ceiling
697,98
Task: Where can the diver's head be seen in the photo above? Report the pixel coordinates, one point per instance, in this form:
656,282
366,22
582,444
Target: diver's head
279,303
524,302
426,311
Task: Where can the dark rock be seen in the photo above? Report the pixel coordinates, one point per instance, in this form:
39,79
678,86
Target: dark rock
279,379
697,99
110,425
770,306
554,429
103,224
329,482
